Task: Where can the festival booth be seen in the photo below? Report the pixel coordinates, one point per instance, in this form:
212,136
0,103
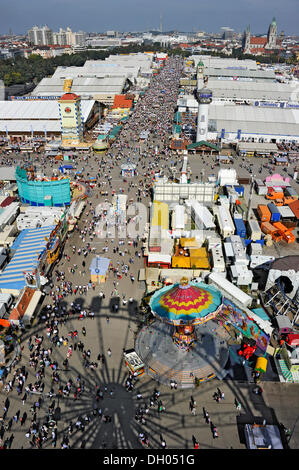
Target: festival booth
128,170
101,145
277,180
99,269
26,306
133,362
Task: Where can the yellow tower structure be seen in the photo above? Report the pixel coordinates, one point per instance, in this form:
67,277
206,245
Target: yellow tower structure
70,117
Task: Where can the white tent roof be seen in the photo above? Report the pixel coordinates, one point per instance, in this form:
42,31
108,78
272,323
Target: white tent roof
179,217
230,288
210,61
251,90
82,85
23,116
253,119
242,73
100,70
258,146
20,110
158,258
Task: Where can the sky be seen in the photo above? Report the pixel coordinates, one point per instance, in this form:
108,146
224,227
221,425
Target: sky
142,15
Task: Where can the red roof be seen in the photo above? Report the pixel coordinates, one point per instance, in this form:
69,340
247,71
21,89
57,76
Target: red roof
257,50
8,201
59,46
294,206
122,101
69,96
257,40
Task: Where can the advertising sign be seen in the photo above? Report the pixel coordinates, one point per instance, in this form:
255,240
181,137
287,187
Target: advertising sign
33,98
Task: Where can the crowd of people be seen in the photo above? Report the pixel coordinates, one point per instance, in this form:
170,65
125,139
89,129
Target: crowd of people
45,372
48,374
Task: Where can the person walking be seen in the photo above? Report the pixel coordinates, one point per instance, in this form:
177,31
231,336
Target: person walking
163,442
23,418
192,407
206,416
195,443
24,398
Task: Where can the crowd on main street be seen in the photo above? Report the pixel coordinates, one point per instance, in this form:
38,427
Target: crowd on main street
42,373
59,385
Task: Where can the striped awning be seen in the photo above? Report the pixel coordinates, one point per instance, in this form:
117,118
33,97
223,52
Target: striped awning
26,248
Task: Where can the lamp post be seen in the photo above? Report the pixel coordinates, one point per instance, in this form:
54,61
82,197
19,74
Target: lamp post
250,197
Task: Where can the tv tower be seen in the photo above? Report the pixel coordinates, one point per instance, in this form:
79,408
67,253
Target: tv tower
161,23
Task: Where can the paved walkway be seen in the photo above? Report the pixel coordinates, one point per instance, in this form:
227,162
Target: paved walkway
279,402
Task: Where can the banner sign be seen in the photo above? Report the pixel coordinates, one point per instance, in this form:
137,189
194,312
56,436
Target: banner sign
34,98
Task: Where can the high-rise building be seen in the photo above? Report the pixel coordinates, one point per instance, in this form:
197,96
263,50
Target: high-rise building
40,36
45,36
60,38
227,33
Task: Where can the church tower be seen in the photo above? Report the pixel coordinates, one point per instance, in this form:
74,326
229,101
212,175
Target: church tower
272,35
246,41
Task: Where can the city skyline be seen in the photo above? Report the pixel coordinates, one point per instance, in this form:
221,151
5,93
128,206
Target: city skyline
138,15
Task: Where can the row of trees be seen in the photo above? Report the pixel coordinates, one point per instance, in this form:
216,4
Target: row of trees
21,70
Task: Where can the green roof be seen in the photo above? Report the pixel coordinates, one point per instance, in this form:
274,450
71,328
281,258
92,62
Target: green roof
260,312
177,117
176,129
203,142
115,130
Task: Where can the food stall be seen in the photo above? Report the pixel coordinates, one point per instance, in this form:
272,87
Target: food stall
133,362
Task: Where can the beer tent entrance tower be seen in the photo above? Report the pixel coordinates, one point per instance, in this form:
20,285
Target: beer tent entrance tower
71,119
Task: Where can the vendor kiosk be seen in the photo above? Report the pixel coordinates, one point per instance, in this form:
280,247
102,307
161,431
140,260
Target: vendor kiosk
133,362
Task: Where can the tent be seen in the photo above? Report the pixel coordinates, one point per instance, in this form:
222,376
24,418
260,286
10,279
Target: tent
99,269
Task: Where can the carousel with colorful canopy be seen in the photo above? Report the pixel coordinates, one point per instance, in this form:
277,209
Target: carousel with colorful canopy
185,305
185,341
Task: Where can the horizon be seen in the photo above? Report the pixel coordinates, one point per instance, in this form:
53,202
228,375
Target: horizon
95,16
